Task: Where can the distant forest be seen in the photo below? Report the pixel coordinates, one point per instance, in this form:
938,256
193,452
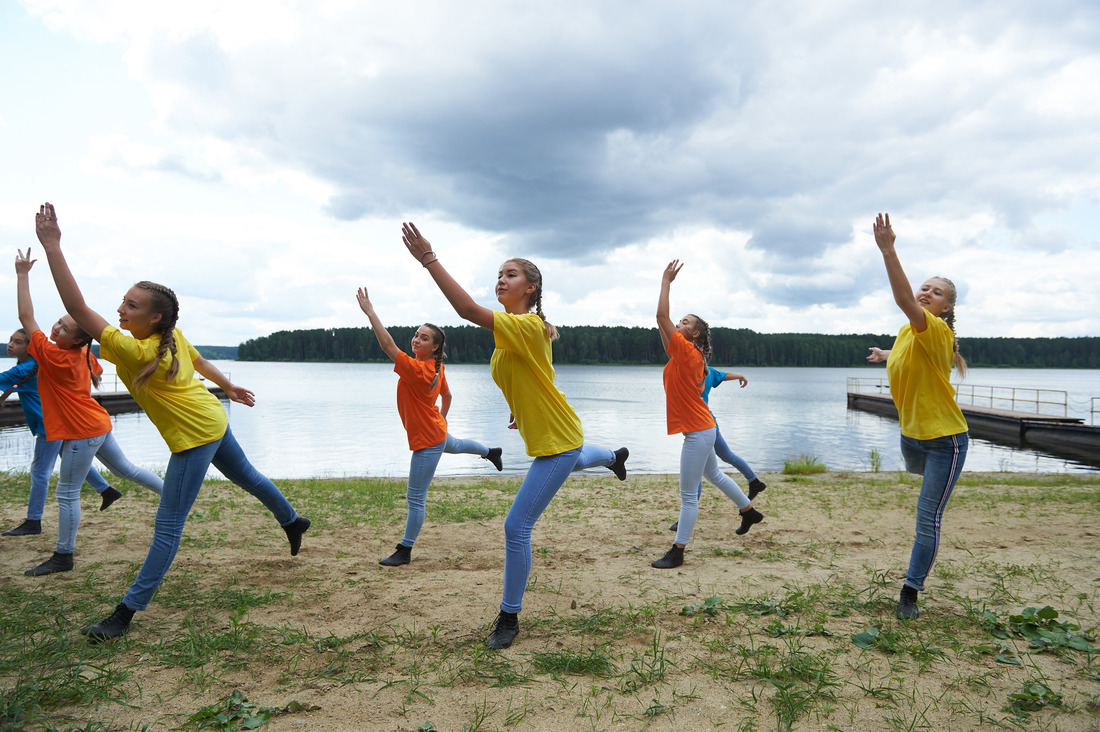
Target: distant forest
588,344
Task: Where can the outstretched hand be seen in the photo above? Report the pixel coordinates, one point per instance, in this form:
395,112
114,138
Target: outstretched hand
364,300
884,233
877,355
671,271
23,262
418,246
45,225
241,395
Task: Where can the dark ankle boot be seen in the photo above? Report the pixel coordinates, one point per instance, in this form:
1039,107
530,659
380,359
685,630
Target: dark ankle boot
907,604
673,558
109,495
505,630
28,528
114,625
619,466
56,563
494,458
403,555
294,531
748,518
756,487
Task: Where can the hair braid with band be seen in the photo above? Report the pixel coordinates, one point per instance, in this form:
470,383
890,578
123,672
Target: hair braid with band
162,301
439,340
702,342
949,318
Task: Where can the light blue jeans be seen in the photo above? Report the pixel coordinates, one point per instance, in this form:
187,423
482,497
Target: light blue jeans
545,476
76,461
45,457
182,482
421,471
723,451
698,461
940,461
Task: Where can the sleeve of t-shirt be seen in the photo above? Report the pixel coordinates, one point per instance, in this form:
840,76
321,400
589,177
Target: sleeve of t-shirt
715,377
443,388
120,349
14,375
402,364
937,338
516,332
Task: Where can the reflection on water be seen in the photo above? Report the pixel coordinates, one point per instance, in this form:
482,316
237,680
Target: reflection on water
328,420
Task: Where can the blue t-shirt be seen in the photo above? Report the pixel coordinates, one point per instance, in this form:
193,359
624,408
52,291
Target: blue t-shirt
28,394
714,378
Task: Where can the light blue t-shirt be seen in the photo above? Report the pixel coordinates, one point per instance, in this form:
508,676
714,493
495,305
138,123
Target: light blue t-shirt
714,378
28,394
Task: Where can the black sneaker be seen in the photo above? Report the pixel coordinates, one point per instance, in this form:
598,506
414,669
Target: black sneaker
505,630
294,531
403,555
907,604
53,565
619,466
27,528
675,526
756,487
494,458
110,495
114,625
748,518
672,559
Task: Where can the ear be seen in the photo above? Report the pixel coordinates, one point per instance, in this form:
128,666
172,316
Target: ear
530,288
155,319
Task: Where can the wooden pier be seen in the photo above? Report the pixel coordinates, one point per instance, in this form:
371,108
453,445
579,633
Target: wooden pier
1060,435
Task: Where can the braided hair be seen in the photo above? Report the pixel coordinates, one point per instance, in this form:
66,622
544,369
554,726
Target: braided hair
439,339
30,375
162,301
949,318
531,272
702,342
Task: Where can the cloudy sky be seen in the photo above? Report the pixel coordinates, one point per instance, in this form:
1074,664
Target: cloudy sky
259,157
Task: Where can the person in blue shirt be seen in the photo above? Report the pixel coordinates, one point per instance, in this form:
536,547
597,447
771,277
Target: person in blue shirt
721,449
23,380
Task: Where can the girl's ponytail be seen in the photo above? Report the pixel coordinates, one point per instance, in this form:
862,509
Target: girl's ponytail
163,302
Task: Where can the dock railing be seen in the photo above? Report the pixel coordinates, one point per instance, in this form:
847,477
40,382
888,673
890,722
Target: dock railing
1049,402
1093,410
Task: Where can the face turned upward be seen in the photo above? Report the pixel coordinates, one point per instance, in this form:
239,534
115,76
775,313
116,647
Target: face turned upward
513,289
688,327
136,315
67,334
17,345
424,343
936,296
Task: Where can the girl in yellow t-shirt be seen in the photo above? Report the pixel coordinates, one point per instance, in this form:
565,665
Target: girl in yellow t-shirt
933,430
158,366
522,367
421,382
688,346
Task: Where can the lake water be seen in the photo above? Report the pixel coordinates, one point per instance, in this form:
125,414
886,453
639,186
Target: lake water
332,420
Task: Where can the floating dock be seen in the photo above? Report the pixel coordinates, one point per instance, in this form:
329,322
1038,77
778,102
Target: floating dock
1059,435
115,402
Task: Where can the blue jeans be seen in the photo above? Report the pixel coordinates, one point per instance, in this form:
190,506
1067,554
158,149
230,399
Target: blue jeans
182,481
698,461
421,471
45,457
594,457
76,462
940,461
545,476
723,451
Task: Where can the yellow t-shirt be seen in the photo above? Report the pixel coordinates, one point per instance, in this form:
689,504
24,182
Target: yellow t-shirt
183,410
522,367
919,369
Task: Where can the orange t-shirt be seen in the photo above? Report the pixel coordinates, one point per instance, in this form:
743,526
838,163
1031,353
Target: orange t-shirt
683,375
416,398
65,385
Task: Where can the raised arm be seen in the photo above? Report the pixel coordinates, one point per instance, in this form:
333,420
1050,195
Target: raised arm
664,320
899,283
49,234
23,264
421,250
385,340
236,393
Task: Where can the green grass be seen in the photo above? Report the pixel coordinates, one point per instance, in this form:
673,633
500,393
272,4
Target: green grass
803,465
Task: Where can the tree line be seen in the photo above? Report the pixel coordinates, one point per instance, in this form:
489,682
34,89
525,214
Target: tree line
594,344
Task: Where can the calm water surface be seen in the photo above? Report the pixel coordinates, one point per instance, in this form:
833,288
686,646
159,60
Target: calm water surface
331,420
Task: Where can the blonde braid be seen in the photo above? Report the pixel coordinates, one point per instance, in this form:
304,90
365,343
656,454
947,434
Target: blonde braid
164,302
949,318
88,361
440,354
